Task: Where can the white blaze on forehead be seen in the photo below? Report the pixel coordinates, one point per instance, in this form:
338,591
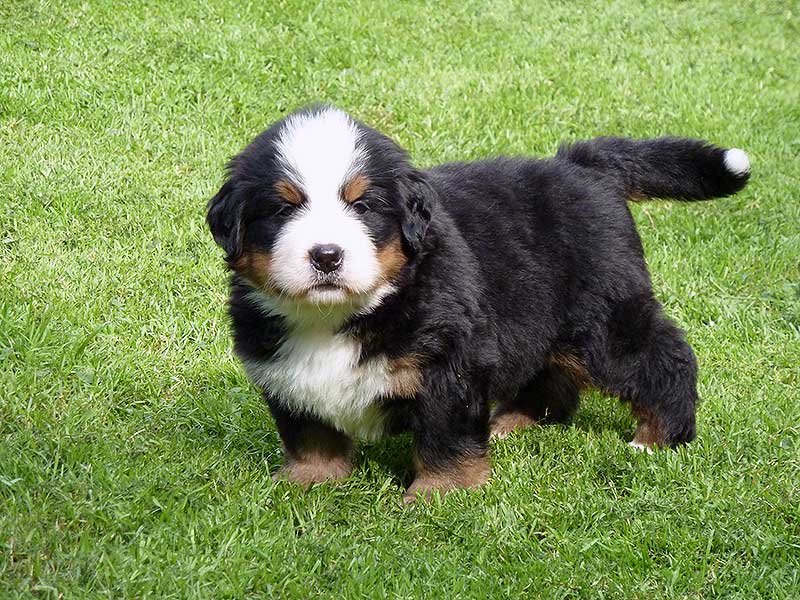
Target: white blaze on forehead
321,149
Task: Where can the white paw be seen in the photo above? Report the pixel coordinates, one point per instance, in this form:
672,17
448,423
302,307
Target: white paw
640,447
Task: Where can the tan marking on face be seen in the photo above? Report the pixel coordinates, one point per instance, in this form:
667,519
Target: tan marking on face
256,267
466,472
289,192
323,455
391,259
573,366
505,423
405,376
355,188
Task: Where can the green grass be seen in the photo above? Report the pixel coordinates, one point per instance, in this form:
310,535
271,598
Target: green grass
134,456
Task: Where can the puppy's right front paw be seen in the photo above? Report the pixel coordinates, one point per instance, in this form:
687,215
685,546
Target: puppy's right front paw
309,471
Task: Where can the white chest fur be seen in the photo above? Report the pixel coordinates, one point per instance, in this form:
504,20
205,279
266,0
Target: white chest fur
318,372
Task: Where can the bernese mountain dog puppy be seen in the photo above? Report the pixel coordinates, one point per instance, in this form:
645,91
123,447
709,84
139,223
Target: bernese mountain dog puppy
370,297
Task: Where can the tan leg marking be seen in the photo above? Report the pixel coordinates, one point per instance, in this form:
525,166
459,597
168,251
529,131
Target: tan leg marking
504,423
467,472
324,456
648,432
574,367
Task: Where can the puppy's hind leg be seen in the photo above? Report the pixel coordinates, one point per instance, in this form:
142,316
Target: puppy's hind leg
654,369
550,397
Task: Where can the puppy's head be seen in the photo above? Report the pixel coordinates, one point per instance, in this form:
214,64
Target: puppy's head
321,210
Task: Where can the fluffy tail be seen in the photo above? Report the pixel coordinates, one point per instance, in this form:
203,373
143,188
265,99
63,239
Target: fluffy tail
666,167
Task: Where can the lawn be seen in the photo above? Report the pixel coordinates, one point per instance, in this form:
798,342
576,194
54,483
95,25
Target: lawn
135,458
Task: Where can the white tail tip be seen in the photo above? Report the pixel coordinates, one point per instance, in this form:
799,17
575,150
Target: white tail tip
736,161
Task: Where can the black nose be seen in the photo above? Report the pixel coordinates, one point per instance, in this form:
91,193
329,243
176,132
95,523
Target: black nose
326,257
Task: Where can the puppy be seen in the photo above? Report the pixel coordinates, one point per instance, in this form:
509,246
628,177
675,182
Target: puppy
369,297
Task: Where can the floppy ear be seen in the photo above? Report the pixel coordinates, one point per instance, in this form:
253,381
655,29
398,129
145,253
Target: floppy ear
418,200
224,218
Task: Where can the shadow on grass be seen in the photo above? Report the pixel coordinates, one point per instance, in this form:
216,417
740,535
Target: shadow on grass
220,412
599,412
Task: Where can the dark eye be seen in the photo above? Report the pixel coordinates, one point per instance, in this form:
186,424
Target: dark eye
360,207
283,209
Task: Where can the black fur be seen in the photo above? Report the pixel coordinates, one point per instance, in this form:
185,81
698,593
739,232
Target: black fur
225,219
525,280
418,197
